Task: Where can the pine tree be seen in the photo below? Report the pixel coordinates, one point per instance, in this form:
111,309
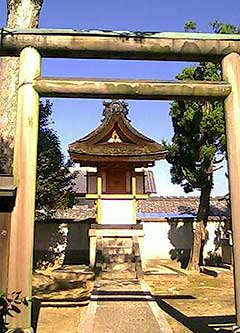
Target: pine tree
198,144
54,181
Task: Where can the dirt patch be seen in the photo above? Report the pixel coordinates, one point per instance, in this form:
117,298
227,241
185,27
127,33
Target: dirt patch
197,302
60,319
59,297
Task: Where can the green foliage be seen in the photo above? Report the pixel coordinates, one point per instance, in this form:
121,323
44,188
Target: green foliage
199,126
9,305
54,181
218,27
198,137
198,141
222,28
190,26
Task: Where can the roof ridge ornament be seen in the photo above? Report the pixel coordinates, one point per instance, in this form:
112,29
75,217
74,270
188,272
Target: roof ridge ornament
115,138
115,106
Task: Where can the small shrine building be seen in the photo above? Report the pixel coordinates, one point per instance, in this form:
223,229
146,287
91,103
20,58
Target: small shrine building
119,154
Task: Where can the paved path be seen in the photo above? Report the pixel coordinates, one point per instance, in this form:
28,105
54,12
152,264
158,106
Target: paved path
123,306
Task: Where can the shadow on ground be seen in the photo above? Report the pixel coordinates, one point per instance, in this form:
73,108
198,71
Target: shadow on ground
198,324
122,296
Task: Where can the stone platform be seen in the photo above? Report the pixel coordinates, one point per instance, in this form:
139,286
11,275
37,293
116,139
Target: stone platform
115,250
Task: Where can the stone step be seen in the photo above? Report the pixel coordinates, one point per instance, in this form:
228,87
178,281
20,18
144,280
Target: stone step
127,242
114,259
118,258
118,266
118,250
118,275
119,246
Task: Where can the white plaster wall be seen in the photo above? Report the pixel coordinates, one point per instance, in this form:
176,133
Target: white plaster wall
160,238
156,242
210,246
117,211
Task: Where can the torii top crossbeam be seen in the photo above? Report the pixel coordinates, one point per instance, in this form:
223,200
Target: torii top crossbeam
99,44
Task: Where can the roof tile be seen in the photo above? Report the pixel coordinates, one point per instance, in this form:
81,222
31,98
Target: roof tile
167,207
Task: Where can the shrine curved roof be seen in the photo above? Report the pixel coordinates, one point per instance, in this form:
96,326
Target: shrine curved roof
116,138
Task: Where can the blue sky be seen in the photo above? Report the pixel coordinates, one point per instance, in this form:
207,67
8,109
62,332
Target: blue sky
75,117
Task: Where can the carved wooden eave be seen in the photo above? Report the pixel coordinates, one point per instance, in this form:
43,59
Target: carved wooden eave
116,140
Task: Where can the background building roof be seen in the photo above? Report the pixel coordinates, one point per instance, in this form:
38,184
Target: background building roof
180,207
154,209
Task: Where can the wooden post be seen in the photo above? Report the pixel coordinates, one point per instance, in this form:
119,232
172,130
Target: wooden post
99,201
231,73
4,248
134,201
25,161
92,251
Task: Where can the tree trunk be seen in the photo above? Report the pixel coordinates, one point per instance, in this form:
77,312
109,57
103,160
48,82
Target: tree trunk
21,14
200,234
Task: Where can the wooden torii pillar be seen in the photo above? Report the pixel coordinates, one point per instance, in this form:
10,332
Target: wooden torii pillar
231,73
24,169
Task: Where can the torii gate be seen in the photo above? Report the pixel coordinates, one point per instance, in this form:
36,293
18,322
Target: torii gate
32,44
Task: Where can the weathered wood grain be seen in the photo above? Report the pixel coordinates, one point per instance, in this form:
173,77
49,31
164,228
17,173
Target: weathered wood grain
231,72
131,89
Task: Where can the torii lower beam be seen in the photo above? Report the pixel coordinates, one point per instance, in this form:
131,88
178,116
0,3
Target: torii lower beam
131,89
